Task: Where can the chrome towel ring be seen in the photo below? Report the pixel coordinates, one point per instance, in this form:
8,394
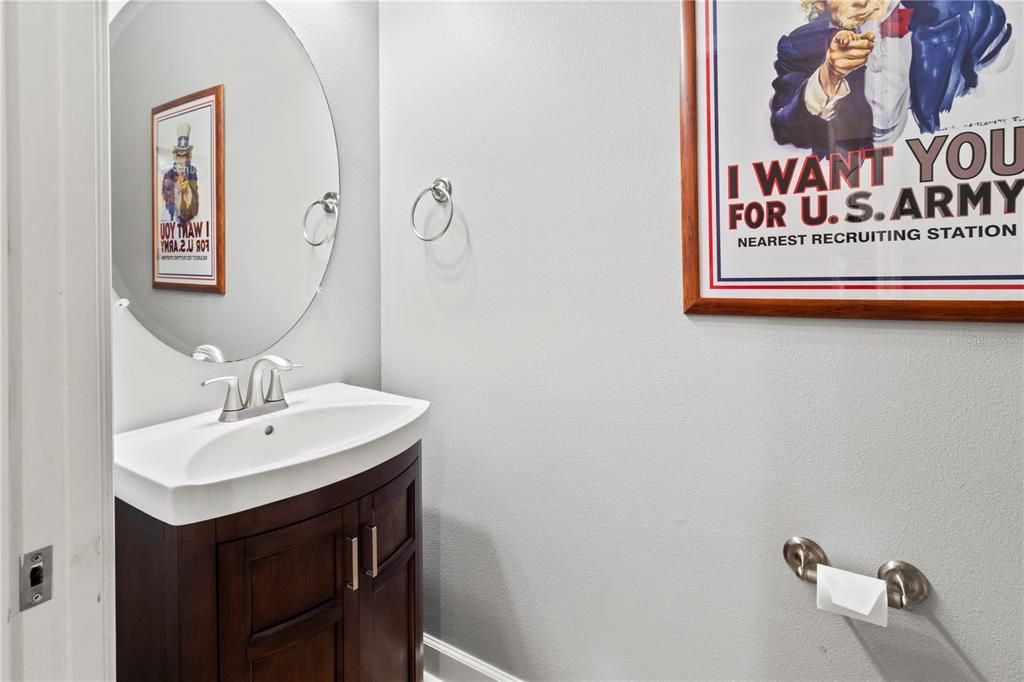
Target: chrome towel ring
330,203
441,190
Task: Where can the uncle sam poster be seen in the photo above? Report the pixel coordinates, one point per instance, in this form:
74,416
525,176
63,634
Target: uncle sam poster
188,192
854,151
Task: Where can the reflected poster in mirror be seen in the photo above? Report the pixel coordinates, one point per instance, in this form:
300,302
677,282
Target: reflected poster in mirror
188,192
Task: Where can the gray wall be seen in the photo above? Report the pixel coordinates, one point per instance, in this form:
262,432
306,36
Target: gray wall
339,337
608,483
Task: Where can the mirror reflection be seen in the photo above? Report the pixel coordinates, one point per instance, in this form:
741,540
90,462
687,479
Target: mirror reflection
225,175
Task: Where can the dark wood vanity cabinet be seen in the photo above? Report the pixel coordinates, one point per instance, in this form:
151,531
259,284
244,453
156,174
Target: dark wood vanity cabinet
281,601
324,586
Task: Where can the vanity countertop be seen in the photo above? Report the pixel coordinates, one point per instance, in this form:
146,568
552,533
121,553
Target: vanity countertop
198,468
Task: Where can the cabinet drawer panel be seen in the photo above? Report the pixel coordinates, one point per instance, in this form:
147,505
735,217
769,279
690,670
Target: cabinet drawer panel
315,659
292,582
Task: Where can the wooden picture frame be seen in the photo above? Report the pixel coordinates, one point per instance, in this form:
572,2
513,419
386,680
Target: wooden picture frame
187,187
699,300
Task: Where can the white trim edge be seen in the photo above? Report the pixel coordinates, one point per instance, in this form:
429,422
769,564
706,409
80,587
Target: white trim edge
446,663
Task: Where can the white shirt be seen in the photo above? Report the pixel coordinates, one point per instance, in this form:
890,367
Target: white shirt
886,84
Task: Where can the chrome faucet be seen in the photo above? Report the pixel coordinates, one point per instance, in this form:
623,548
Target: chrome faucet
208,352
257,401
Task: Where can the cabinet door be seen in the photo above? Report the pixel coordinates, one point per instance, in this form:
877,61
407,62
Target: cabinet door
289,607
391,617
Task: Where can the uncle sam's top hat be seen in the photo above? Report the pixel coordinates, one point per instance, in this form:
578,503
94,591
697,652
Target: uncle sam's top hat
183,146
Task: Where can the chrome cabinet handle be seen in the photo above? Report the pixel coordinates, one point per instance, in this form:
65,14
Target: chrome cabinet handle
372,572
353,548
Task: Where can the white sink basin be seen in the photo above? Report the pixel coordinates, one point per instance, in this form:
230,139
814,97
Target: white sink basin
198,468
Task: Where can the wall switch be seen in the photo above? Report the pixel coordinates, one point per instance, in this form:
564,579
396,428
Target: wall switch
36,583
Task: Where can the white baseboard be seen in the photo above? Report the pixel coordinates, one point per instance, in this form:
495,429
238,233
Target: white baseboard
445,663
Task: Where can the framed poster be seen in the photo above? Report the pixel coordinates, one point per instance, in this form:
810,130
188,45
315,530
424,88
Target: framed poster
853,158
188,192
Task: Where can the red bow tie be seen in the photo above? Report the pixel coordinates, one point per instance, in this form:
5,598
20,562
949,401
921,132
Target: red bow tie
896,24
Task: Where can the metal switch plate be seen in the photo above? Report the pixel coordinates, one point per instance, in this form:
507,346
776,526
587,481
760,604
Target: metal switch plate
36,581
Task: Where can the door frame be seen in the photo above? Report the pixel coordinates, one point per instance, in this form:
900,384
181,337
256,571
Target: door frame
56,452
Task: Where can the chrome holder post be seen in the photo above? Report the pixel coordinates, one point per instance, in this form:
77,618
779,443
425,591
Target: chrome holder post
906,585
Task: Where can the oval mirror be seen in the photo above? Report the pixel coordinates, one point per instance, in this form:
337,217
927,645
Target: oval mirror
224,173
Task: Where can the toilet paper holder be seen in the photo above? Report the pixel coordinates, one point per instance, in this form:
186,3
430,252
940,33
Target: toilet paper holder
906,585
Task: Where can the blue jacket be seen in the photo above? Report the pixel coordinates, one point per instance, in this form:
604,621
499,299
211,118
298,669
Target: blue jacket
950,39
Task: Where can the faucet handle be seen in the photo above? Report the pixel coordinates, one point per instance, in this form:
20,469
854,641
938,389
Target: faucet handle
233,400
276,392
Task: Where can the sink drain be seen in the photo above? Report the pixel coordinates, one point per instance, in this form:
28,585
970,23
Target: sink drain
269,430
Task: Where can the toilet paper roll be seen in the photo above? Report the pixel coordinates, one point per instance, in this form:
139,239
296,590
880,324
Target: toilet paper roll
852,595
